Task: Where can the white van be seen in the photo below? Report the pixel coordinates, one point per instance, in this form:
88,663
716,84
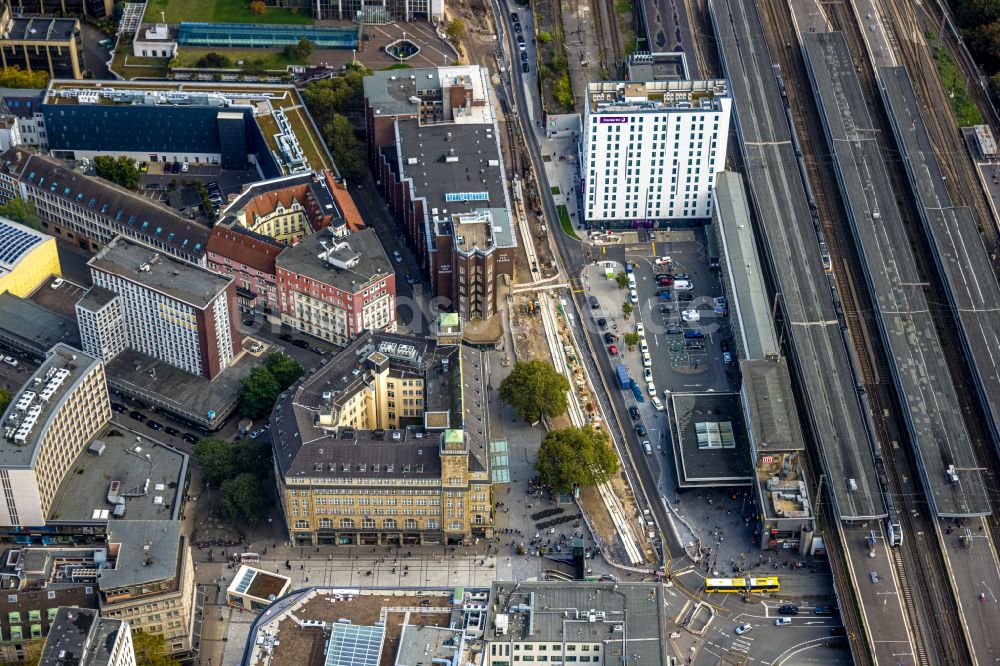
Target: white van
683,285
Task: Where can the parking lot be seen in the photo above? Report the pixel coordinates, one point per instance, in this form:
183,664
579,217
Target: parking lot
61,299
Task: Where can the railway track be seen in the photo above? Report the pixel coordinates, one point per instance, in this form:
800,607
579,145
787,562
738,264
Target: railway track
608,39
919,556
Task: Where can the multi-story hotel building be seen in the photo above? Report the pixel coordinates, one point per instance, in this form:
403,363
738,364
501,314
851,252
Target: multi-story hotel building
47,424
90,212
433,144
651,150
386,443
336,287
172,310
81,637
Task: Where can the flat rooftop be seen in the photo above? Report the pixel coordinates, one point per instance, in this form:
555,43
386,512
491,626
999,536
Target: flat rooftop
750,303
821,365
258,583
783,486
457,169
601,612
30,327
769,399
158,271
349,264
80,637
16,240
148,552
711,447
96,298
179,391
401,92
145,476
930,403
962,258
32,408
609,97
666,66
40,29
418,644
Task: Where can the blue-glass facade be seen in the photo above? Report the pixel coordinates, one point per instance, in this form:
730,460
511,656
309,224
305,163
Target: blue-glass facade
253,35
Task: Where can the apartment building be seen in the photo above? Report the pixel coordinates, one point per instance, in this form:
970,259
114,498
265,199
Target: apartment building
651,150
386,443
335,287
433,144
47,424
89,211
81,637
42,44
287,208
27,258
572,623
249,259
170,309
27,615
24,106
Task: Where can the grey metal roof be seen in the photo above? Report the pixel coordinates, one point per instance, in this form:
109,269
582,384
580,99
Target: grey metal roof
770,405
39,29
699,465
96,298
956,244
77,364
31,328
418,645
751,304
929,400
149,552
372,262
79,637
822,365
152,269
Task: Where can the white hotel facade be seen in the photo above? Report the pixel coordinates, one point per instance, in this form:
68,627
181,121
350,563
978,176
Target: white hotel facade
651,151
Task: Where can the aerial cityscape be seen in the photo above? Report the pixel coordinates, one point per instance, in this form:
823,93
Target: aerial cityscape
468,333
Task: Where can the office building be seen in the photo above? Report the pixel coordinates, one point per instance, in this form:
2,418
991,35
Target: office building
27,258
378,12
102,323
569,623
24,105
264,127
42,44
433,144
286,209
650,151
81,637
46,426
172,310
386,443
249,259
89,212
93,8
336,287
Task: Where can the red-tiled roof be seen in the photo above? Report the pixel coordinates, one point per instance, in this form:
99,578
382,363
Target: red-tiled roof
250,249
346,203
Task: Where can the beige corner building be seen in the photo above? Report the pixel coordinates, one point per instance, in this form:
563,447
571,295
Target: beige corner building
387,443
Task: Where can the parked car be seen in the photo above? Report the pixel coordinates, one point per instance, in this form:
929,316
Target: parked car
633,297
524,56
11,361
285,337
190,439
250,321
685,297
674,330
397,256
173,432
410,280
724,345
57,283
602,322
690,315
640,329
647,447
609,338
640,430
119,407
256,433
318,350
185,167
525,68
301,344
662,261
742,629
727,358
517,27
514,17
647,374
788,610
138,416
612,350
594,303
154,425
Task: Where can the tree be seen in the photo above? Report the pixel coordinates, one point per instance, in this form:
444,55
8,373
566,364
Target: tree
285,369
300,51
455,30
122,171
258,7
348,153
260,392
631,339
342,94
151,650
626,309
544,36
622,279
575,457
252,456
216,459
15,77
214,60
21,210
243,498
534,389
